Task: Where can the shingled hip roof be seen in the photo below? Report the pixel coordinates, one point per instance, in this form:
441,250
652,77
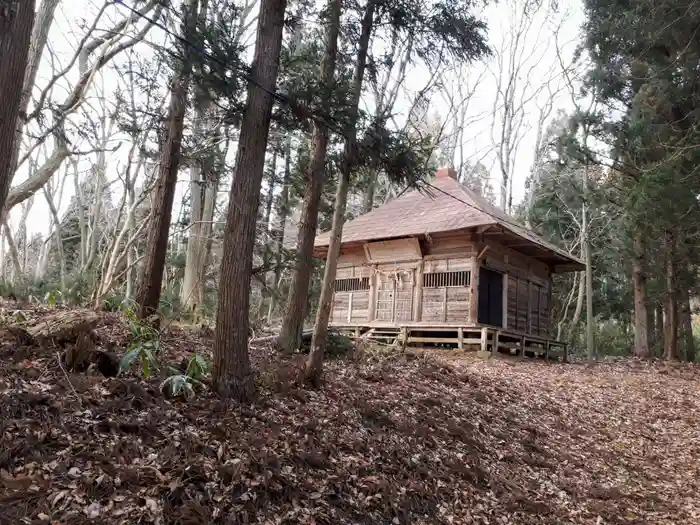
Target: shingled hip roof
443,206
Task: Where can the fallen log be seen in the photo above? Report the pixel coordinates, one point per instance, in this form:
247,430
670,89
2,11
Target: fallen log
64,326
18,334
305,337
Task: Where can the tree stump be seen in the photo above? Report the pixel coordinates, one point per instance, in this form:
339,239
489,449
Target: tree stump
78,357
83,353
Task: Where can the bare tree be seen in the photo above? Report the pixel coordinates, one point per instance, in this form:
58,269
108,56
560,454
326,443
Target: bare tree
16,21
92,54
520,80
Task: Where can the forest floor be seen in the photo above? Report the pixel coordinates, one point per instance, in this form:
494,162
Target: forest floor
412,437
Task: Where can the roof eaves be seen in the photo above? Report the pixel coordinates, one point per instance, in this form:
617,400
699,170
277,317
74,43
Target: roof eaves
536,239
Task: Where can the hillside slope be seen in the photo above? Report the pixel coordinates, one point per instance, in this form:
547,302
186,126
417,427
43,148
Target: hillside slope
410,438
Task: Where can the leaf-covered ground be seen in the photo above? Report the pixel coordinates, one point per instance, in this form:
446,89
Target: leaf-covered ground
410,438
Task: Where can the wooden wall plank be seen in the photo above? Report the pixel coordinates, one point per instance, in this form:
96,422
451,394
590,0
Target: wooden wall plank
449,245
503,259
350,257
395,250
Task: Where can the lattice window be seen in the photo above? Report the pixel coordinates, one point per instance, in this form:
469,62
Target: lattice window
351,285
446,279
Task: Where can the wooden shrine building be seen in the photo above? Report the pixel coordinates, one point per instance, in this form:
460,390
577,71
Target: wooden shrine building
444,265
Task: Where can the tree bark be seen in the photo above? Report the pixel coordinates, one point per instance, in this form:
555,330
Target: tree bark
16,22
192,274
670,299
579,308
587,249
148,295
567,304
232,373
641,328
293,320
314,363
282,212
99,171
270,197
59,237
14,254
686,325
659,325
368,197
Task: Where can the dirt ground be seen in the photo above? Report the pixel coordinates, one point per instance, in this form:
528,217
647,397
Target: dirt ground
415,437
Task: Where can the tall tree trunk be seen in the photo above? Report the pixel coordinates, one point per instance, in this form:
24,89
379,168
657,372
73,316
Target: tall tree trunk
59,237
282,213
270,196
590,328
188,296
16,22
658,325
650,325
686,324
3,279
368,197
579,308
670,298
14,255
232,374
293,321
567,304
192,274
210,194
148,295
100,177
587,249
641,328
314,363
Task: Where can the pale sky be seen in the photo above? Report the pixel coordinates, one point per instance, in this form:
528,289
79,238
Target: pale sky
538,54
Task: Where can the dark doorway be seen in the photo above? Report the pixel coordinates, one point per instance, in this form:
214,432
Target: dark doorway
490,297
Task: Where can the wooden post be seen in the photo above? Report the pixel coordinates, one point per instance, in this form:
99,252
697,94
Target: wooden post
529,307
566,353
371,315
522,347
474,299
393,300
483,352
505,301
549,302
418,293
350,307
444,305
494,350
460,338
